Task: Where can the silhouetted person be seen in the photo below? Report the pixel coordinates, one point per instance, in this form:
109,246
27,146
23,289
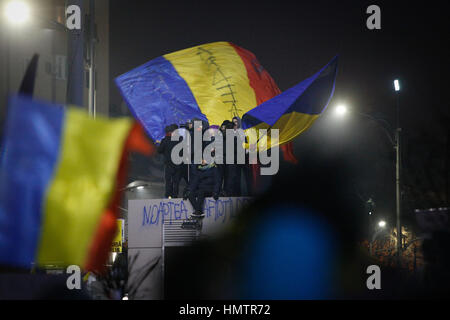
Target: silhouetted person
172,171
233,170
222,167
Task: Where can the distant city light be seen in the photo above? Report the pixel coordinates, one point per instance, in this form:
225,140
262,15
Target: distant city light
341,110
396,85
382,224
17,12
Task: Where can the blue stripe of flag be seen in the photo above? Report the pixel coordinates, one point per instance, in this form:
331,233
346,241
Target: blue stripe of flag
32,141
311,96
158,96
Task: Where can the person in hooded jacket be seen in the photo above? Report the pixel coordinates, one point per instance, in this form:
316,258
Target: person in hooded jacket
188,127
246,168
227,124
191,127
205,180
232,183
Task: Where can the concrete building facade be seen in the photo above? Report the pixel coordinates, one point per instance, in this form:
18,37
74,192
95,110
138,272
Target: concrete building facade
44,33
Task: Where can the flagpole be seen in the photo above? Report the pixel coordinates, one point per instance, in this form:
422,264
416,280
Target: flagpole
75,79
92,77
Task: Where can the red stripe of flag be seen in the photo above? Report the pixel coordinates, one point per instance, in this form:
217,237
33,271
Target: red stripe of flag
265,88
260,80
107,228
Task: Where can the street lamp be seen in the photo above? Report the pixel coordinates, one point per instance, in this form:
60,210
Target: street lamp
17,12
136,185
341,110
398,173
396,143
396,85
381,228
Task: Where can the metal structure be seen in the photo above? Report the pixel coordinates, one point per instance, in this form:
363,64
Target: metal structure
179,233
75,81
91,59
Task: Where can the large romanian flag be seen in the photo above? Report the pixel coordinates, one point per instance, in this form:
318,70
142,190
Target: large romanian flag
214,82
59,179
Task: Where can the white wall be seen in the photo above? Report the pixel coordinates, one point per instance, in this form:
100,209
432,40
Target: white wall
145,233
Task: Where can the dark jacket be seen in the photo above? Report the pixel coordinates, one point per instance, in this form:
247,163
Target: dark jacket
205,127
205,178
165,148
238,145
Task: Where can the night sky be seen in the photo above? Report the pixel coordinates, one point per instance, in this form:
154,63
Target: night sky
293,40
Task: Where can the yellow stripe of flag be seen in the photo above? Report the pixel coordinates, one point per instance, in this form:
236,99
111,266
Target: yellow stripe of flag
83,183
217,78
289,126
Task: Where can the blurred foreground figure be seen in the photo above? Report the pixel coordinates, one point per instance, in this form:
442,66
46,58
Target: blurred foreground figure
297,241
436,279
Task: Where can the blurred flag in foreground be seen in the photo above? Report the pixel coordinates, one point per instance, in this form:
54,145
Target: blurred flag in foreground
214,81
59,181
294,110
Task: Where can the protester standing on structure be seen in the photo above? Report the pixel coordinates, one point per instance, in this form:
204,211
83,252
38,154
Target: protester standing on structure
172,172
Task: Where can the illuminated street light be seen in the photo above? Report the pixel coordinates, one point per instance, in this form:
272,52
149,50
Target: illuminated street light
396,85
17,12
380,230
136,185
341,110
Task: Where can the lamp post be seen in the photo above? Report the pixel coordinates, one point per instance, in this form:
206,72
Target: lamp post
91,59
398,173
395,140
